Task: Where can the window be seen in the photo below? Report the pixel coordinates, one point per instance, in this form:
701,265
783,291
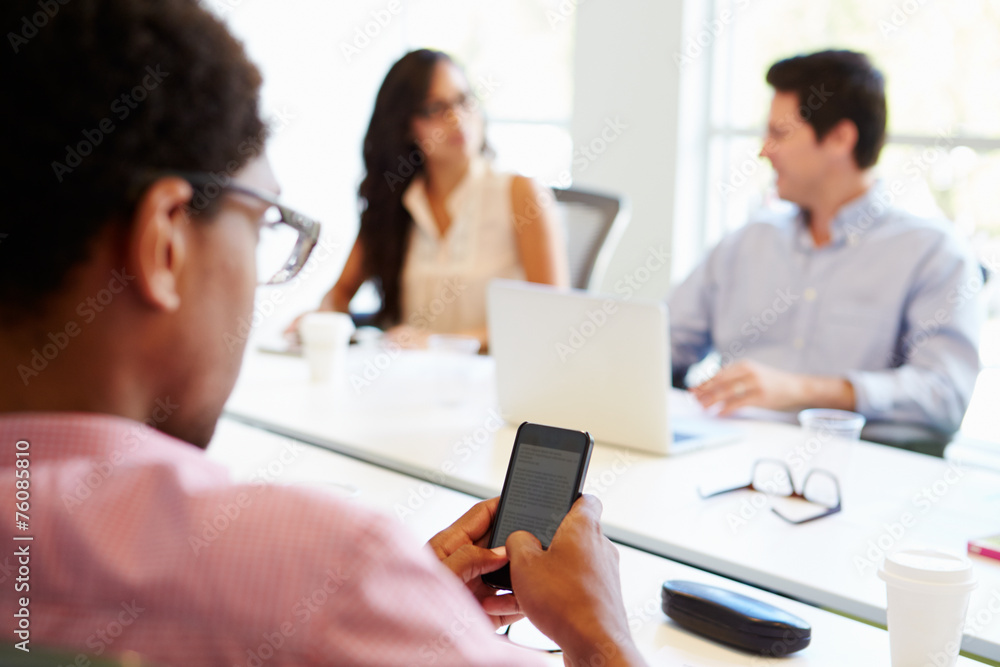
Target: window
519,56
940,61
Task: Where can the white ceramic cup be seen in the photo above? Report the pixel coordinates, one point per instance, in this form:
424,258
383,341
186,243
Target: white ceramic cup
928,593
325,337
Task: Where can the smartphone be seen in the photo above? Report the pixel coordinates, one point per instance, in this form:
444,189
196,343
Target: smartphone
544,479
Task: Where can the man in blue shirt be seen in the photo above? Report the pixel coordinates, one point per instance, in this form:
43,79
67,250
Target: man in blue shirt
845,301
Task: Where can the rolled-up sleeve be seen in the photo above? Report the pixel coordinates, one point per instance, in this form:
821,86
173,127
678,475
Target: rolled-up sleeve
937,356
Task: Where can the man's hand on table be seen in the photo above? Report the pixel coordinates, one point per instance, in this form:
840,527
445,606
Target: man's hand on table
749,383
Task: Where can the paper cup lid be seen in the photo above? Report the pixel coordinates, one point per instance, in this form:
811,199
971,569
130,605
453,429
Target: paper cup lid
923,567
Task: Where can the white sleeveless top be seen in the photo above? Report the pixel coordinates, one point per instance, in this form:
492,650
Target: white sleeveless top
444,278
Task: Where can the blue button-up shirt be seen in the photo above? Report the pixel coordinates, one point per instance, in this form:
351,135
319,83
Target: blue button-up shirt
891,304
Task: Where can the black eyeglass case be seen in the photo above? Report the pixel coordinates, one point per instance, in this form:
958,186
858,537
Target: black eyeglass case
734,619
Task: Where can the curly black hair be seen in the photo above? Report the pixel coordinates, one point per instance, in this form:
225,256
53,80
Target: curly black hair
98,92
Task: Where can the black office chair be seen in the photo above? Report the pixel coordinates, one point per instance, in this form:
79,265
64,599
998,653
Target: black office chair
594,224
911,437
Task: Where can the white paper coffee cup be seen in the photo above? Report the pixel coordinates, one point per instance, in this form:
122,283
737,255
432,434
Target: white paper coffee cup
325,338
928,593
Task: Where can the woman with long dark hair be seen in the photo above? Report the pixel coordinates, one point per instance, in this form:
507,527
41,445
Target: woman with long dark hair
437,221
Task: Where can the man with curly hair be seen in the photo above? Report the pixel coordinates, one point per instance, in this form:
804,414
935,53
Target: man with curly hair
134,196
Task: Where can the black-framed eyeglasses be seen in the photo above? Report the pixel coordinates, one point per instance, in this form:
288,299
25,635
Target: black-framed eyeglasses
772,477
286,237
438,110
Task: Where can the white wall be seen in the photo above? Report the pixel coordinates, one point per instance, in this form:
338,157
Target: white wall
625,70
326,97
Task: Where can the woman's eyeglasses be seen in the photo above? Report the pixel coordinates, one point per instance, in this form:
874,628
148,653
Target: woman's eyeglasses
438,110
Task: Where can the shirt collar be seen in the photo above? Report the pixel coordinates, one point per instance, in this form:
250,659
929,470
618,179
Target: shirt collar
854,219
54,436
416,202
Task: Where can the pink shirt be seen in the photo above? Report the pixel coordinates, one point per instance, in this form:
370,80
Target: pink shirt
141,543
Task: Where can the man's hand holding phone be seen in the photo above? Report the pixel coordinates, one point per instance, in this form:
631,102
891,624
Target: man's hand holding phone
462,548
572,590
562,570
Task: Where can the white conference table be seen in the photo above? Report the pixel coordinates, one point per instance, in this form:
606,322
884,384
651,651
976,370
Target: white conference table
394,416
837,641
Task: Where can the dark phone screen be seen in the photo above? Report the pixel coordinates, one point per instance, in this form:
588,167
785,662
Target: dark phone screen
542,486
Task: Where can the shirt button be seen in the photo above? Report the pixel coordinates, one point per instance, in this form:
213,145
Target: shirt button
809,294
799,343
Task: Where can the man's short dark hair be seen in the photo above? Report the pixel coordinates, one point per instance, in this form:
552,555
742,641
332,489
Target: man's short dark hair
832,86
95,93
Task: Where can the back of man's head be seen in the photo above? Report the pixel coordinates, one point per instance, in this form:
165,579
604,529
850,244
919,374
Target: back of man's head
98,92
833,86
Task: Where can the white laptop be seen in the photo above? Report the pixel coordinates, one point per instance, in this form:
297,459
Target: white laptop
590,362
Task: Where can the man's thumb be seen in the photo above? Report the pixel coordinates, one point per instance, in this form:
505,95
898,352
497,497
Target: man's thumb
521,545
469,562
